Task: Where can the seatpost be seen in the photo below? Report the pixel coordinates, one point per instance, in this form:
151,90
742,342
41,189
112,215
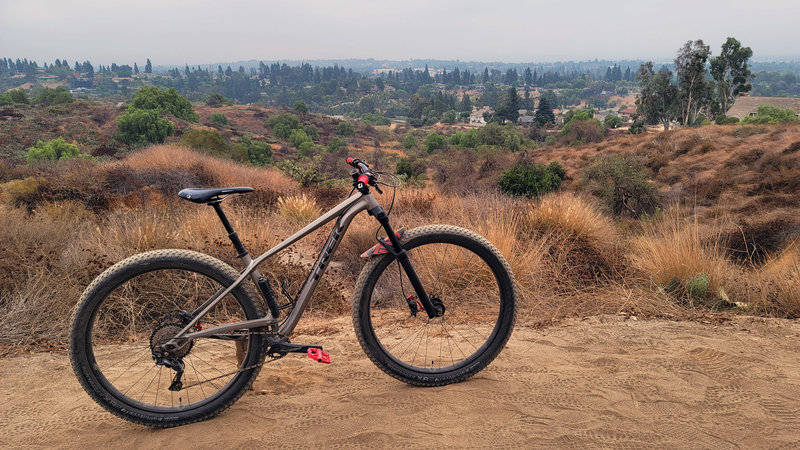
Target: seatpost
237,243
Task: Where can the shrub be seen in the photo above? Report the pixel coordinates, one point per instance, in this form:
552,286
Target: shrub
435,141
13,97
24,192
623,185
612,121
283,124
168,101
410,167
54,150
298,137
207,141
218,120
491,134
258,153
141,127
308,149
467,139
582,130
345,129
217,100
637,127
312,131
768,114
409,142
57,96
375,119
531,179
722,119
336,144
300,107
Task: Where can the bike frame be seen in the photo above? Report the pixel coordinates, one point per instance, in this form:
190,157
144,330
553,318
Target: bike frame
344,214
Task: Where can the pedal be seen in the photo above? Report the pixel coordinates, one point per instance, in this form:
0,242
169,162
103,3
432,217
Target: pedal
318,355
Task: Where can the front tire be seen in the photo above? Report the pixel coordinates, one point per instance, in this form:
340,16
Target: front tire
141,300
474,283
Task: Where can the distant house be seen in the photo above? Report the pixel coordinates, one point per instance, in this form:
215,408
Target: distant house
627,114
525,120
748,106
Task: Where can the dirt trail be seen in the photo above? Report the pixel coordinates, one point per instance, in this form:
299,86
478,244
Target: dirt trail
601,382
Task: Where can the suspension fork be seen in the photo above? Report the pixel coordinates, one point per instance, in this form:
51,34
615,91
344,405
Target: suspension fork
400,253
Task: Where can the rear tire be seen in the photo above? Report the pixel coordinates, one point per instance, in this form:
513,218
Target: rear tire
474,283
136,302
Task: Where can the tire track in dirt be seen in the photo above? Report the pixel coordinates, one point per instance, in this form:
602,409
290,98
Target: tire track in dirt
600,382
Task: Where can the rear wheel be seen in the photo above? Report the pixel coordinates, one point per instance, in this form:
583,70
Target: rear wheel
137,305
462,272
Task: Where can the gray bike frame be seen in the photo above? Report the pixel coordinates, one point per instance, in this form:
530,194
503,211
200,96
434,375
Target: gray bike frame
345,212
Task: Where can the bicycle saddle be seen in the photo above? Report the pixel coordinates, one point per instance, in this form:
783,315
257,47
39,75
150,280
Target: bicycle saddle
201,195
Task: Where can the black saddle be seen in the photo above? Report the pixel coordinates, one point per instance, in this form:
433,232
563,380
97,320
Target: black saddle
201,195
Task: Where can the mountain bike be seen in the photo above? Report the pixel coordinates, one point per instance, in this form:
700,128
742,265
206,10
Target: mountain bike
170,337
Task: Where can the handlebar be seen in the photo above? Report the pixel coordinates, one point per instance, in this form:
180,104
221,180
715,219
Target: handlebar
366,177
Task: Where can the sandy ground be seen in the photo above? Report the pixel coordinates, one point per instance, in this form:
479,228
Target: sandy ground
601,382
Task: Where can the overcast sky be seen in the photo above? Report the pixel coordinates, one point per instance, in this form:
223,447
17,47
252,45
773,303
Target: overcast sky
201,31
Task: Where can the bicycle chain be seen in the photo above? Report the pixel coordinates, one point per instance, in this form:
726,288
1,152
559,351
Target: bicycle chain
208,380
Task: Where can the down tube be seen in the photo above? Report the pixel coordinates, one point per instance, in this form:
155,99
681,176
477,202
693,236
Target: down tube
367,202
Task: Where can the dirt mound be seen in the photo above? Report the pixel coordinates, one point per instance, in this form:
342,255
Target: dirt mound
602,382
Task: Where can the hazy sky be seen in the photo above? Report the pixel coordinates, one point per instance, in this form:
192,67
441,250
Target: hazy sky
201,31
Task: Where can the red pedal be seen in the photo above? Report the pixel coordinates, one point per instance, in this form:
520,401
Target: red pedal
318,355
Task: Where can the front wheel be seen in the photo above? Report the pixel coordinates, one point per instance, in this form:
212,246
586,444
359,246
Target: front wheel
474,284
131,309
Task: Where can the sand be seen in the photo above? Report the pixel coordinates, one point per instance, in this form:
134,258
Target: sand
605,381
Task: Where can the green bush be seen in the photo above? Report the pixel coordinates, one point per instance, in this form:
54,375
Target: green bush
768,114
612,121
637,127
336,144
207,141
491,134
57,96
308,149
345,129
435,141
698,286
218,120
722,119
409,167
298,137
54,150
375,119
582,130
217,100
142,127
409,142
13,97
258,153
623,185
300,107
467,139
312,131
531,179
283,124
168,101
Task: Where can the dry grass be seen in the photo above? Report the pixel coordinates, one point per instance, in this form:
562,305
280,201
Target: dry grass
676,250
779,280
298,209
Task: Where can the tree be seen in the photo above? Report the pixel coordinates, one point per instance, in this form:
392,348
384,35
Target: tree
15,96
409,142
731,72
544,113
658,99
336,144
164,102
768,114
531,179
508,106
148,67
694,91
143,126
135,68
300,107
57,96
466,104
435,141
